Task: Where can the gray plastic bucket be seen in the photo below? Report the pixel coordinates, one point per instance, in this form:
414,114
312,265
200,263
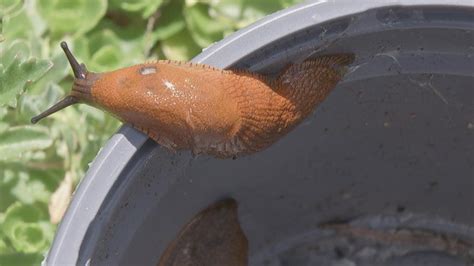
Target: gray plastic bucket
391,147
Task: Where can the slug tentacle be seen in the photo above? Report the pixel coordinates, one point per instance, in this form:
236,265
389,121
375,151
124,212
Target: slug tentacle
67,101
81,90
78,69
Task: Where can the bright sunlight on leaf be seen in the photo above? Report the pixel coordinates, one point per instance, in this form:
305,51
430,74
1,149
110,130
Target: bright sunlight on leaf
17,70
17,140
73,17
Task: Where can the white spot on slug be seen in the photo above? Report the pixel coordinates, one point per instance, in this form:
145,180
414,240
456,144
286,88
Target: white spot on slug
169,85
189,83
147,70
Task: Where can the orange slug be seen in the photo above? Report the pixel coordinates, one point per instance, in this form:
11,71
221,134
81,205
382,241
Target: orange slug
224,113
213,238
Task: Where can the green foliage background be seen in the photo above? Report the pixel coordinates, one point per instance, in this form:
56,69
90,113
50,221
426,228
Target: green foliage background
50,158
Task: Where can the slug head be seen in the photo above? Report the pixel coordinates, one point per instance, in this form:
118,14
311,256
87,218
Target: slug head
81,89
168,101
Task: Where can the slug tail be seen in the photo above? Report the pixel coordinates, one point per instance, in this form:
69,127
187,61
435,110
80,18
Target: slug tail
308,83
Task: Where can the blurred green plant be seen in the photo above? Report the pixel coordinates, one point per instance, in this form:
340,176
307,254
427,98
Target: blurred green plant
40,165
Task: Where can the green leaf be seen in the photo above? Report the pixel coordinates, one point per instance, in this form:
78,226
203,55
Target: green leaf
4,248
17,140
28,238
254,10
18,50
7,182
26,228
92,112
170,22
3,112
18,26
288,3
16,72
230,9
100,39
18,212
3,127
152,6
76,17
106,51
8,6
1,30
33,104
29,191
17,76
106,58
57,73
180,46
146,7
203,28
81,51
20,259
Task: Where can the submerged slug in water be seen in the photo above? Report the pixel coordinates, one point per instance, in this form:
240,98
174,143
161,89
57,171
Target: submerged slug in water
224,113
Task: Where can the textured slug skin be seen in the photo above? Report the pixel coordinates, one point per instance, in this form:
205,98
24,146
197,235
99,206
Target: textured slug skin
224,113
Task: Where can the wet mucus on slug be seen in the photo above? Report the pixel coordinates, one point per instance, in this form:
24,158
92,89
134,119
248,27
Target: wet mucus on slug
196,107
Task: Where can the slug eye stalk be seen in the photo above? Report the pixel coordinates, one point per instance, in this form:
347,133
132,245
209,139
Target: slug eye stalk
80,72
78,69
67,101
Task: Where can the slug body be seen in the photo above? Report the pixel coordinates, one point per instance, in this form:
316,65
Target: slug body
213,237
224,113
